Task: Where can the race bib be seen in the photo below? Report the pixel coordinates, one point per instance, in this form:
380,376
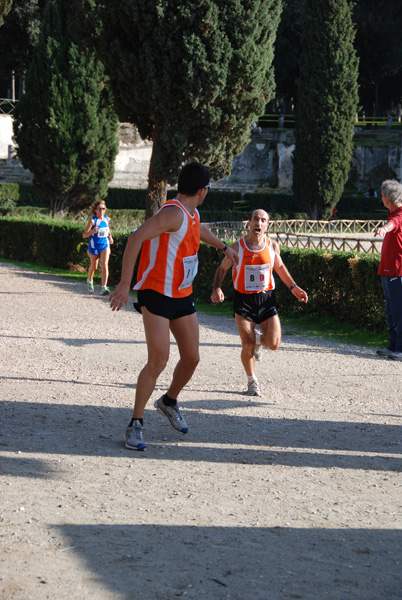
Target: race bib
103,232
256,277
190,264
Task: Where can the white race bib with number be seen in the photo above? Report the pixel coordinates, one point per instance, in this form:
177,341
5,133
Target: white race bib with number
256,277
103,232
190,264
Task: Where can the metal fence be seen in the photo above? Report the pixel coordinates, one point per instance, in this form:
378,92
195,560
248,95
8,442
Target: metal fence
7,106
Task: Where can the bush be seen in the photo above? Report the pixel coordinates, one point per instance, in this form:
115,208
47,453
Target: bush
218,205
30,195
339,284
118,198
343,285
9,192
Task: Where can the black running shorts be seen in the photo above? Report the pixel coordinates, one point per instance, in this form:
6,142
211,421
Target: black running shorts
257,307
164,306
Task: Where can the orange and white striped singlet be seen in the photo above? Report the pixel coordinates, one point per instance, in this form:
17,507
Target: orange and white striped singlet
169,262
253,274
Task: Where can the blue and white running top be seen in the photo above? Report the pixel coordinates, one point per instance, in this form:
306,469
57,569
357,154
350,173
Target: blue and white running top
99,241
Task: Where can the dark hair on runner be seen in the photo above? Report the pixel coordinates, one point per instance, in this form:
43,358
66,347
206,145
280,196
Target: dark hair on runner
192,177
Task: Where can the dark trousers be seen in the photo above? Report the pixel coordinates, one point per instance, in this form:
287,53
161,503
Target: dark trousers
392,287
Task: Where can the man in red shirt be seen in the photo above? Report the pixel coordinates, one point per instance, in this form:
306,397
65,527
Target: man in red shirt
391,267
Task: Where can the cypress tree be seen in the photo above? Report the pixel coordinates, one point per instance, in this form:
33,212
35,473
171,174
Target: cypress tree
5,7
326,106
19,35
65,125
192,76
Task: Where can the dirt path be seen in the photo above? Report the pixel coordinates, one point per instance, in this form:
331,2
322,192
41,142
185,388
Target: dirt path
293,495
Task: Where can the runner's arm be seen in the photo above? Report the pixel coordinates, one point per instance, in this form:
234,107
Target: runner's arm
281,269
210,238
169,221
217,293
88,229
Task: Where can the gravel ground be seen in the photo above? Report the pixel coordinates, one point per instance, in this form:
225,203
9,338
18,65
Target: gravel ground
296,494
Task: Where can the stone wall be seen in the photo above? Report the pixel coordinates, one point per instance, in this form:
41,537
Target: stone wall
266,160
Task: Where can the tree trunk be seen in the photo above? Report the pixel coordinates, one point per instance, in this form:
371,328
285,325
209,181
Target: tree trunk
59,205
314,212
157,187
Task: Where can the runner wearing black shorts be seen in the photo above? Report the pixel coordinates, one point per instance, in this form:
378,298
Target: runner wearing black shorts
255,307
255,302
168,243
164,306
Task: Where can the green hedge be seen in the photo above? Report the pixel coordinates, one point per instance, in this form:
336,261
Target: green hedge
23,194
343,285
219,205
339,284
129,199
58,244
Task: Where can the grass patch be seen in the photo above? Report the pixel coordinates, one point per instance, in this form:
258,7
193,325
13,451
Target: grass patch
73,275
330,329
307,325
311,325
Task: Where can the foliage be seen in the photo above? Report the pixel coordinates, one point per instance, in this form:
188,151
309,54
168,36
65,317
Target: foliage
190,76
122,198
51,242
65,126
377,44
9,191
5,7
327,103
343,285
286,61
218,206
380,52
19,36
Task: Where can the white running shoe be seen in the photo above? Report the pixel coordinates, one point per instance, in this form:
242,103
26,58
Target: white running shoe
253,388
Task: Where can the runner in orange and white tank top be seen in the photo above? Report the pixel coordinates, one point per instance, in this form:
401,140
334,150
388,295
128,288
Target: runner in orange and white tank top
169,263
254,297
169,241
254,271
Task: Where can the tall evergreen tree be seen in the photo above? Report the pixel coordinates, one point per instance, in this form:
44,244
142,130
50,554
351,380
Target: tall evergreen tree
286,61
65,125
19,35
191,76
326,108
5,7
379,48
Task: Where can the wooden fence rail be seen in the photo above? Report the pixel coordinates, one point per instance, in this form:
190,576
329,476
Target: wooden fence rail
326,235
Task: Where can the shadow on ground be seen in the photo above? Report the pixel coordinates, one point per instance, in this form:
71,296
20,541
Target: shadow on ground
240,563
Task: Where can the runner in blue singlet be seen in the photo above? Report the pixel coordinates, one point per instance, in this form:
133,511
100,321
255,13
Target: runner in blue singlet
99,245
